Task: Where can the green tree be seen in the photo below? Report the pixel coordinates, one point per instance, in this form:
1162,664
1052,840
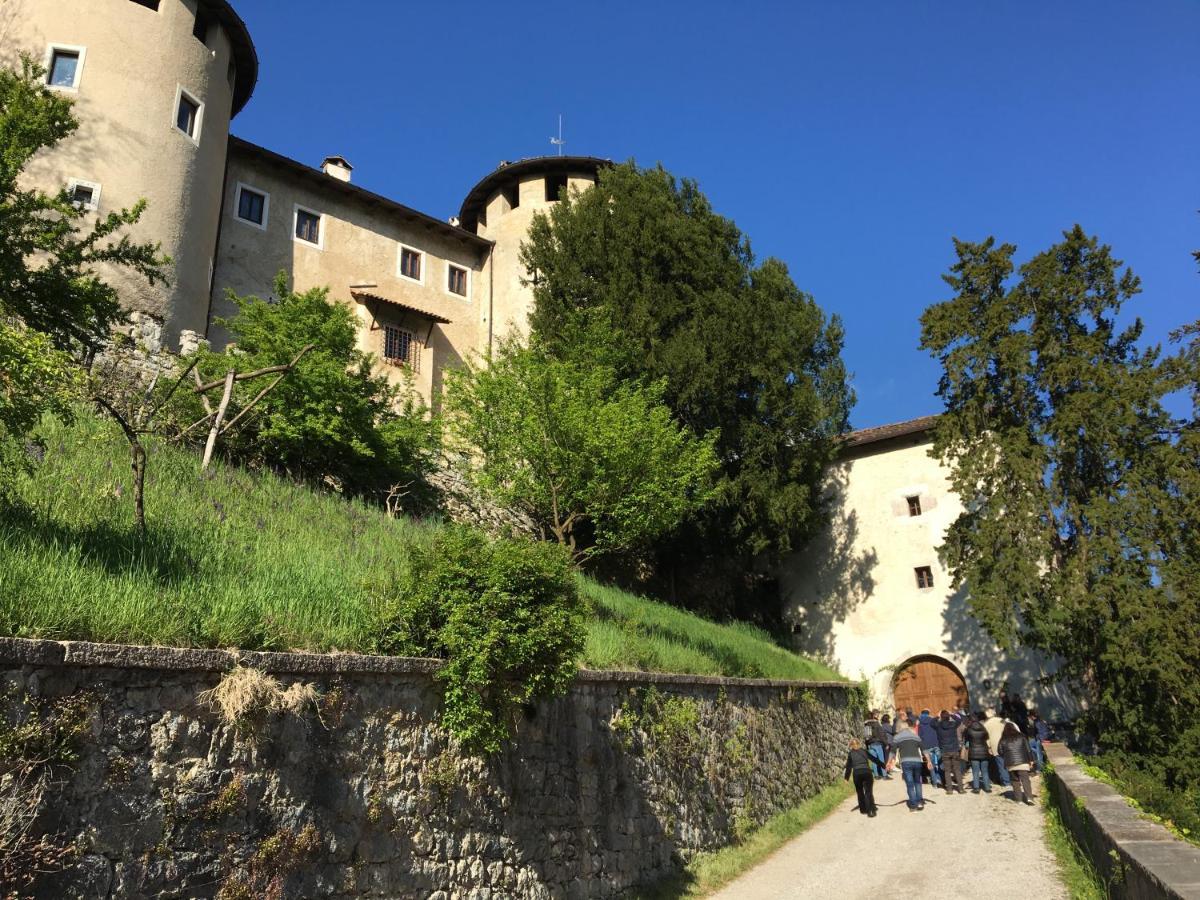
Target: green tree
49,263
597,463
644,261
331,417
1079,534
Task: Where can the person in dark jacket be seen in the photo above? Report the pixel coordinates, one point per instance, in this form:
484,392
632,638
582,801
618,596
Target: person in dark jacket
858,764
1014,747
976,737
1038,732
929,743
950,745
875,740
1019,712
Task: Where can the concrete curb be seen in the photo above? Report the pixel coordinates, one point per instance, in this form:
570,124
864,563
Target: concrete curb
1136,858
25,652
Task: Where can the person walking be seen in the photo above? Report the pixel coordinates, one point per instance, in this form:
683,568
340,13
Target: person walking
1018,713
1014,747
949,734
906,747
995,727
876,743
929,743
977,753
858,764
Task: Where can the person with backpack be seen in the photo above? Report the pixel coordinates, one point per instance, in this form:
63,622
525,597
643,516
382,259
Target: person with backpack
1014,747
976,737
875,740
858,764
927,732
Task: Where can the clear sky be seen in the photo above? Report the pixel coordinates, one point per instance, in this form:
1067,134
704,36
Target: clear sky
850,139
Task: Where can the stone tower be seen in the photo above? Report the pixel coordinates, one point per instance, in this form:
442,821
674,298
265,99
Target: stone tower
501,208
155,84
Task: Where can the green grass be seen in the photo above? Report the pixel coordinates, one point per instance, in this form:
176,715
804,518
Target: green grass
243,559
709,872
1075,869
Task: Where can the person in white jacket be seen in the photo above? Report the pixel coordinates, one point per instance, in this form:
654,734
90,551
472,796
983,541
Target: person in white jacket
995,727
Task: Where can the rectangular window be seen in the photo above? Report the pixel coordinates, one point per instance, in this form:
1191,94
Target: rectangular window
924,576
308,226
64,68
252,206
914,506
187,116
512,194
410,263
456,280
401,348
84,194
555,185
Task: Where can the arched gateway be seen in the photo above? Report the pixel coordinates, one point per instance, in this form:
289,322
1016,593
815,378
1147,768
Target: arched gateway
929,682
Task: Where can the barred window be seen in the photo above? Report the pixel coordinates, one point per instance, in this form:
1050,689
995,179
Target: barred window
401,348
914,506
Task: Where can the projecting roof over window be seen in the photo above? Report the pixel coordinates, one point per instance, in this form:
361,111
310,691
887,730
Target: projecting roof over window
362,296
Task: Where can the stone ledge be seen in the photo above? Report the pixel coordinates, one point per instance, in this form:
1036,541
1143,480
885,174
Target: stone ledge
24,652
1149,861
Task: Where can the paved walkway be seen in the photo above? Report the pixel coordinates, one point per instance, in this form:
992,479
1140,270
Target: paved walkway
963,845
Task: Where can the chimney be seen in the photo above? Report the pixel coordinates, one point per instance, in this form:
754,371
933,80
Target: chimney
337,167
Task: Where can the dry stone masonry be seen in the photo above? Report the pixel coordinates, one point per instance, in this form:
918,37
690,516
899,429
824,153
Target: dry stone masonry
358,793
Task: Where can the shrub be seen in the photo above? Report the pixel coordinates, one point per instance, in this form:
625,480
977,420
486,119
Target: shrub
505,615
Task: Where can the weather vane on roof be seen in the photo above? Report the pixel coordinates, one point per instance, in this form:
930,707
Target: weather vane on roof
558,141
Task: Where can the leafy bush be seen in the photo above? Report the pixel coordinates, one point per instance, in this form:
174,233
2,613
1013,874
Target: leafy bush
582,453
1147,781
505,615
330,417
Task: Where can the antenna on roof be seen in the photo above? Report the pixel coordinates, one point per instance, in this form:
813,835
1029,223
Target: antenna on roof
558,141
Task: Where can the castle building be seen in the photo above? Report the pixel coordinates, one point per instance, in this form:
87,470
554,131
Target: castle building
871,595
428,293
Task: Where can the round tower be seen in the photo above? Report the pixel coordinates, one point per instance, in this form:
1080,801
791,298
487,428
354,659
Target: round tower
155,84
501,208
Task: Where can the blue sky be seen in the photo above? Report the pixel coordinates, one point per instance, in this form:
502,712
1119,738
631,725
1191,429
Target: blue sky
850,139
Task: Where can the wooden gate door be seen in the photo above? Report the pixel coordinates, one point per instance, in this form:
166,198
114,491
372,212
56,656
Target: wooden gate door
929,684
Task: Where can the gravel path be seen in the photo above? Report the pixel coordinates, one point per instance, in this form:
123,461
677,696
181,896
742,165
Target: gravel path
953,847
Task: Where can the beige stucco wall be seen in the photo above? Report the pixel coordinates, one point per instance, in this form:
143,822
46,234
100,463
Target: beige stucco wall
134,63
512,299
852,594
360,245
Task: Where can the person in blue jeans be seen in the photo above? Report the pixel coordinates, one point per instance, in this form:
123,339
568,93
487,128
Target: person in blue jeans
906,748
995,727
976,738
1039,732
927,732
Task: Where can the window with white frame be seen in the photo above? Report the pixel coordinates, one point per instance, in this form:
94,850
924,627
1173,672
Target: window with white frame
253,206
64,66
308,226
456,280
400,348
188,115
84,194
412,264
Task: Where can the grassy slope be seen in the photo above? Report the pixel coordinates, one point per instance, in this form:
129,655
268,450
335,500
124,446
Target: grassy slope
249,560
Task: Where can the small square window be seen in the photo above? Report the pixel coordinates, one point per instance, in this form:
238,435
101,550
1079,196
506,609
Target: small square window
252,206
924,576
187,116
914,506
410,263
308,226
400,348
84,195
456,280
63,69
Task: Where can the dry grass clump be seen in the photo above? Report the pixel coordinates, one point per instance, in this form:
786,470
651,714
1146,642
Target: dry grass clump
245,693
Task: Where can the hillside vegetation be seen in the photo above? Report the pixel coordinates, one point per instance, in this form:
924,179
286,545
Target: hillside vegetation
236,558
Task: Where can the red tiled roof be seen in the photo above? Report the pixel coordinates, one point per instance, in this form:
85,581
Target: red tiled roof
371,295
884,432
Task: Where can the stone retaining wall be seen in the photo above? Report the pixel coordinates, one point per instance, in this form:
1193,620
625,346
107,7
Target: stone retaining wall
1134,857
361,794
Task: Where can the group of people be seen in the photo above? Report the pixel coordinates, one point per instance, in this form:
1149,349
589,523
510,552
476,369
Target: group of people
942,749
